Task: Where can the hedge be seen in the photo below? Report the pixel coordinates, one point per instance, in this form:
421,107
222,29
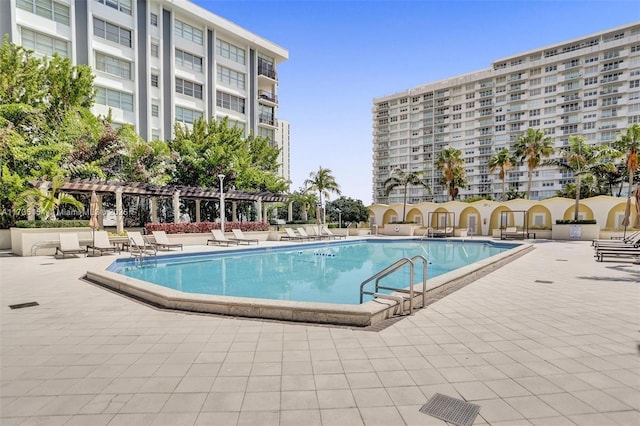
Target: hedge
575,222
52,224
204,227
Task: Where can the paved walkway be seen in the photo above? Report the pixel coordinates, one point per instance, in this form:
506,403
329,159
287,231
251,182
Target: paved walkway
550,339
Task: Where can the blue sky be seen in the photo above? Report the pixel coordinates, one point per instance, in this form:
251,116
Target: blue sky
343,54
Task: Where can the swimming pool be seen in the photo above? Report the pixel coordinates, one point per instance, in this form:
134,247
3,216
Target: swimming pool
364,314
325,272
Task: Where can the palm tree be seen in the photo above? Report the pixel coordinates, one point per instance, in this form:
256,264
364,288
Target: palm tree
400,178
504,161
629,143
532,146
46,204
583,160
323,182
451,164
306,201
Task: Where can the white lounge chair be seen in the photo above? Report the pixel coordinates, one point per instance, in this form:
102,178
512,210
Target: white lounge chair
139,245
304,234
327,231
511,232
69,244
219,238
162,241
241,239
291,235
101,243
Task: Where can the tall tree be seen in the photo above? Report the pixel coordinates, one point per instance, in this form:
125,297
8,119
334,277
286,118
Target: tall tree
532,147
582,159
46,204
451,164
628,143
503,160
401,178
348,209
323,182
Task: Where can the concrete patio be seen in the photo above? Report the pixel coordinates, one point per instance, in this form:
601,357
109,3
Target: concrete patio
549,339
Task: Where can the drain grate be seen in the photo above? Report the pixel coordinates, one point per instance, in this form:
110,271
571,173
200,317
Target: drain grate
24,305
543,282
451,410
562,260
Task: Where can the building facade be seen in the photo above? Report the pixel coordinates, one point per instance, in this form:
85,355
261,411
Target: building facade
283,141
588,86
157,61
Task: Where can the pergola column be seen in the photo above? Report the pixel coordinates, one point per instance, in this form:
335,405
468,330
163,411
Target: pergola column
176,206
119,212
290,212
100,215
259,209
265,213
153,205
198,210
234,211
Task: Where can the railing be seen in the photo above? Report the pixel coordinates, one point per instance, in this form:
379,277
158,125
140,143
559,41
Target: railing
267,70
267,96
396,297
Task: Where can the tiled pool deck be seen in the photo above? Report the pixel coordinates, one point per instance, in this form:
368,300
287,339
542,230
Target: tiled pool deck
563,350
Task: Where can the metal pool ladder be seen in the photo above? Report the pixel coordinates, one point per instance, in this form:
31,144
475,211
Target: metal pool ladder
405,293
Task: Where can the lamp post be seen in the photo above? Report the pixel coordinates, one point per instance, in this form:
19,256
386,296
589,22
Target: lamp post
339,218
221,177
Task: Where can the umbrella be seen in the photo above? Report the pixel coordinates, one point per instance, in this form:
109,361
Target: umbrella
627,214
636,223
94,211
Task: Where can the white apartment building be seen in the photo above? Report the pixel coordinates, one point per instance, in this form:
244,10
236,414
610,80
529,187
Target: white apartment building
588,86
157,61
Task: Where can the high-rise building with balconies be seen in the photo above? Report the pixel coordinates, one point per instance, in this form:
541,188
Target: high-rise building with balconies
588,86
157,61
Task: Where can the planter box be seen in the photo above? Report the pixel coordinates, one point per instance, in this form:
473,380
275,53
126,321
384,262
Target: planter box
43,241
5,239
575,232
399,229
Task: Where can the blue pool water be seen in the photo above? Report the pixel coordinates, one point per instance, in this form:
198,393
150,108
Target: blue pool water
324,272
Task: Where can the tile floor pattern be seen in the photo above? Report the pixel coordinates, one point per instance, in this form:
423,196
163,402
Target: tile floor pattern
557,353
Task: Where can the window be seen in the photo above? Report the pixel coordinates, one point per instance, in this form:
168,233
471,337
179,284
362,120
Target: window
550,68
113,66
188,88
231,77
230,51
155,50
589,126
187,60
188,32
111,32
471,104
155,110
590,80
230,102
634,83
500,128
534,92
534,123
123,6
590,103
114,98
44,44
186,115
534,112
49,9
550,89
154,80
153,19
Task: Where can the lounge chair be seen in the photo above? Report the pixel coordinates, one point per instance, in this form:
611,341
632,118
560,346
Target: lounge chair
162,241
291,235
446,232
315,233
139,245
304,234
327,231
630,240
241,239
101,243
626,253
69,244
511,232
219,238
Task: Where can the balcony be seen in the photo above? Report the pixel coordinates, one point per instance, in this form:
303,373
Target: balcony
267,70
267,96
267,119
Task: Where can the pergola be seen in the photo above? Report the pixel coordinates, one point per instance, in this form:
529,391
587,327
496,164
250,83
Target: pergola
153,192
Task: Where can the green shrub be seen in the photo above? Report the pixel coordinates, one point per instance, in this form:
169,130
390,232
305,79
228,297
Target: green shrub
575,222
52,224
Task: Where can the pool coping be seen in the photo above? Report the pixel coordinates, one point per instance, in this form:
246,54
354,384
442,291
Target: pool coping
366,314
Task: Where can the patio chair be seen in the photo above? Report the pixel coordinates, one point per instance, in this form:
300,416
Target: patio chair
241,239
511,232
327,231
139,246
446,232
303,233
101,243
315,233
162,241
291,235
619,253
69,244
219,238
629,240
